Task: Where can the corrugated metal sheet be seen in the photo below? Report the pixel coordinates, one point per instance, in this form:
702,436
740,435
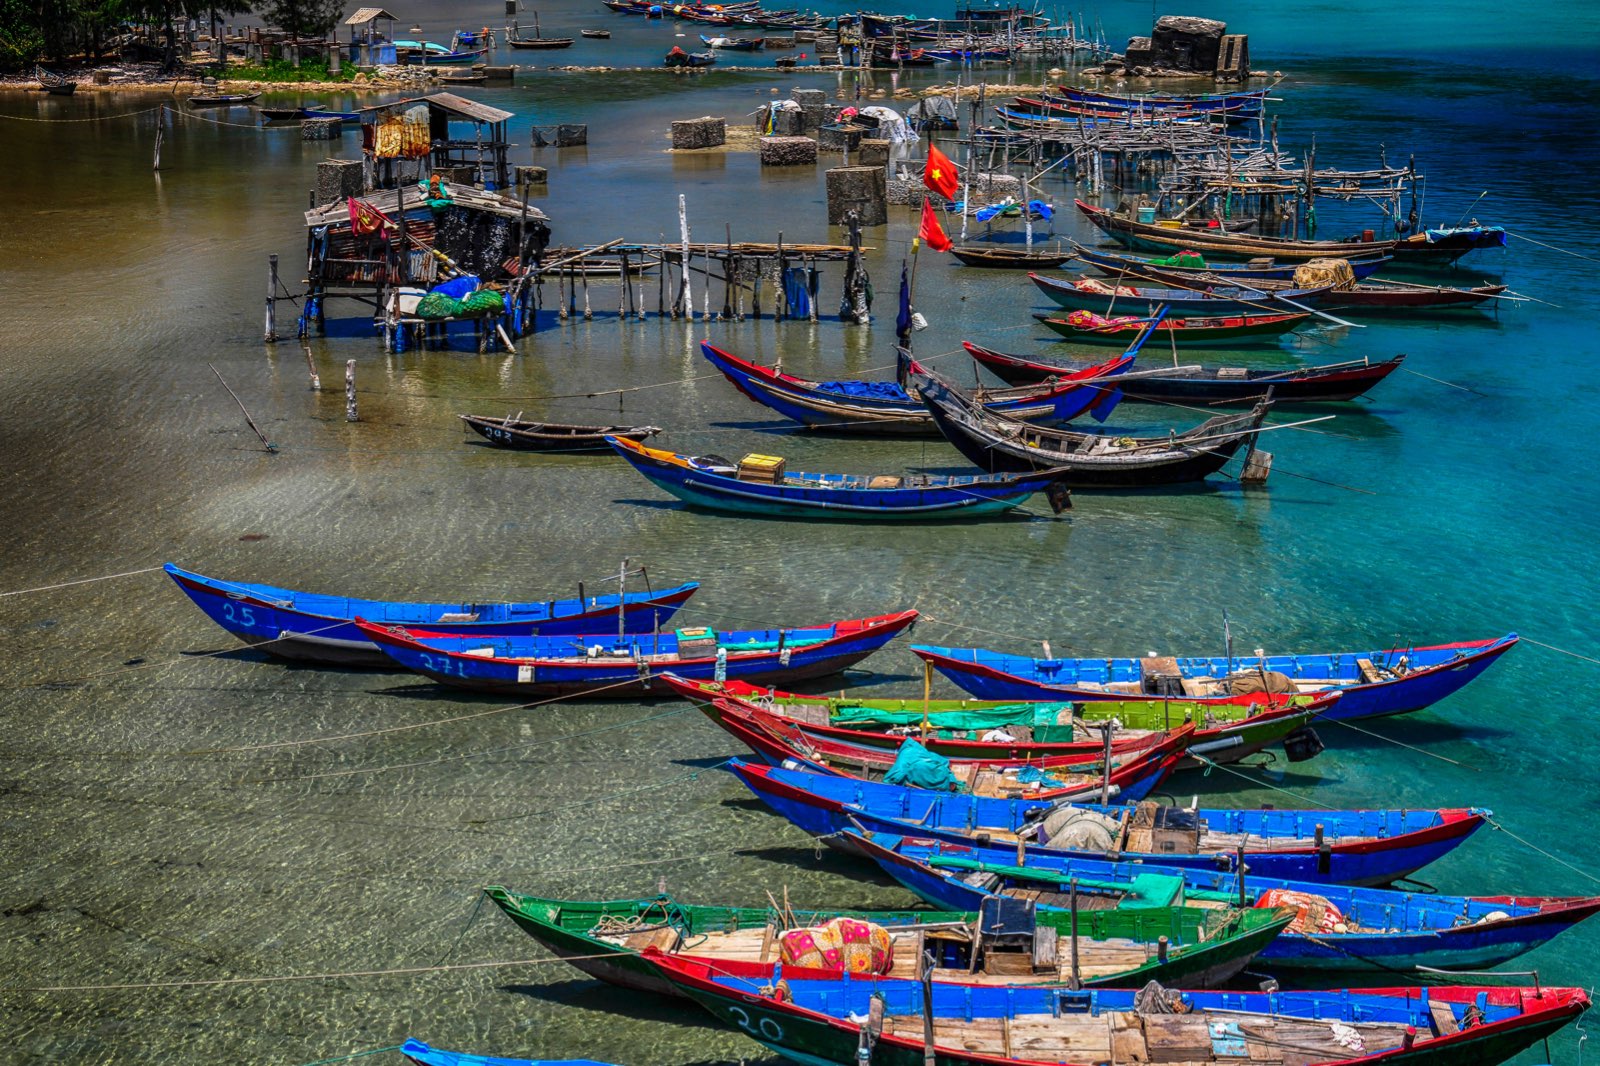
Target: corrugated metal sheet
367,14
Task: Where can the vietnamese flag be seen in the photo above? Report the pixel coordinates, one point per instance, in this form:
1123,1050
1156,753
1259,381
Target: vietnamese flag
931,232
940,174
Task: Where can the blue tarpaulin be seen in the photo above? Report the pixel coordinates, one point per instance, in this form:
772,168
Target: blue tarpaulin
918,767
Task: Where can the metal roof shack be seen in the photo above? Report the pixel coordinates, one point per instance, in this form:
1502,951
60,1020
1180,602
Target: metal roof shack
400,132
371,44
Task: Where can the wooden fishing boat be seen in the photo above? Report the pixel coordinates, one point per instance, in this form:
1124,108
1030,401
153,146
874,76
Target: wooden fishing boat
1447,244
595,35
289,114
760,485
679,58
55,84
222,99
423,1055
1133,772
1117,948
609,666
427,53
996,443
1374,683
1367,297
824,1020
1242,106
1212,386
527,436
734,44
885,408
1172,269
1211,300
1133,234
973,729
1225,331
538,41
1002,258
316,628
1338,927
471,77
1357,847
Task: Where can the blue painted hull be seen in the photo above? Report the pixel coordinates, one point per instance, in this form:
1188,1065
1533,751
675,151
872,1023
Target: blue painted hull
836,497
1400,842
1403,930
555,667
317,628
423,1055
1430,674
872,408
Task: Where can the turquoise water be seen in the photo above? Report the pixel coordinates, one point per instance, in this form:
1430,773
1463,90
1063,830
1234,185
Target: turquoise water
148,836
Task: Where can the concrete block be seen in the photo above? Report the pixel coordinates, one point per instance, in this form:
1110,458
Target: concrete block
874,153
859,189
321,129
788,151
704,132
339,179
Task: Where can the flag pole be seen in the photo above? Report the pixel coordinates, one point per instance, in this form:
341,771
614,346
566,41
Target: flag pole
911,293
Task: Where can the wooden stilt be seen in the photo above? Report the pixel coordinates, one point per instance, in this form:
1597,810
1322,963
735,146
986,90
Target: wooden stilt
272,300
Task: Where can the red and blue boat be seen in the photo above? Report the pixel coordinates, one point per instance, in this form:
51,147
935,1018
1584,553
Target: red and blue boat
1374,683
887,408
622,666
312,627
814,1019
1339,927
1364,847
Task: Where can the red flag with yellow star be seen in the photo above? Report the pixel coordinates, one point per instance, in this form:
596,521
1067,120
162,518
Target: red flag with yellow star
365,219
932,233
940,174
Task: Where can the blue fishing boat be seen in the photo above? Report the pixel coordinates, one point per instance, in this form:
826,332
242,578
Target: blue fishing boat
1188,264
1338,927
622,667
815,1019
1239,106
761,485
888,408
312,627
423,1055
1374,683
1089,294
427,53
1370,847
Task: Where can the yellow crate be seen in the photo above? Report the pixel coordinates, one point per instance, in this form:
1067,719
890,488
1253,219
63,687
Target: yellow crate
763,468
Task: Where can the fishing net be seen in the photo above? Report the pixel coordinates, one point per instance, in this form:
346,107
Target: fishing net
846,944
483,302
1316,273
437,305
1182,259
1074,829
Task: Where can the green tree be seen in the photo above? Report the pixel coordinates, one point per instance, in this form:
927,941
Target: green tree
304,18
21,34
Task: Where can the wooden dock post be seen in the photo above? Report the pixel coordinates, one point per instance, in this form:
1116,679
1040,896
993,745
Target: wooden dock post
161,127
688,287
311,365
272,300
350,391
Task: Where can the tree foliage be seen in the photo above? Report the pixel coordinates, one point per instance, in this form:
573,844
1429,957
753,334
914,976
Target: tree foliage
56,30
304,18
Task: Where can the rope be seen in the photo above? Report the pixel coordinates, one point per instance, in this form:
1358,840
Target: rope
490,751
1534,847
691,776
405,728
98,118
283,978
1261,784
1408,747
355,1055
1553,248
241,125
83,581
1563,651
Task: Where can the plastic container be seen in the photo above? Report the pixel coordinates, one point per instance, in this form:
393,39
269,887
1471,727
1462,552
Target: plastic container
1147,216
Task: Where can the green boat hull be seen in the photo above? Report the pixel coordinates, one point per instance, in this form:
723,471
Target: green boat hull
1206,947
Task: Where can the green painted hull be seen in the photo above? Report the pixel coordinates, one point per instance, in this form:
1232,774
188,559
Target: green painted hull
1206,947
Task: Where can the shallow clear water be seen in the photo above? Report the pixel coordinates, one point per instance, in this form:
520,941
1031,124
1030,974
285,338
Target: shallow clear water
152,830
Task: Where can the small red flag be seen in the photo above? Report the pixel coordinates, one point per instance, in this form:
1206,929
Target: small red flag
931,232
365,219
940,174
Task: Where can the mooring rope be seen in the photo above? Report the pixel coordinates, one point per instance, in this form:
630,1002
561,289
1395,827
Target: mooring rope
82,581
1402,744
1534,847
1261,784
355,1055
98,118
1553,248
1563,651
